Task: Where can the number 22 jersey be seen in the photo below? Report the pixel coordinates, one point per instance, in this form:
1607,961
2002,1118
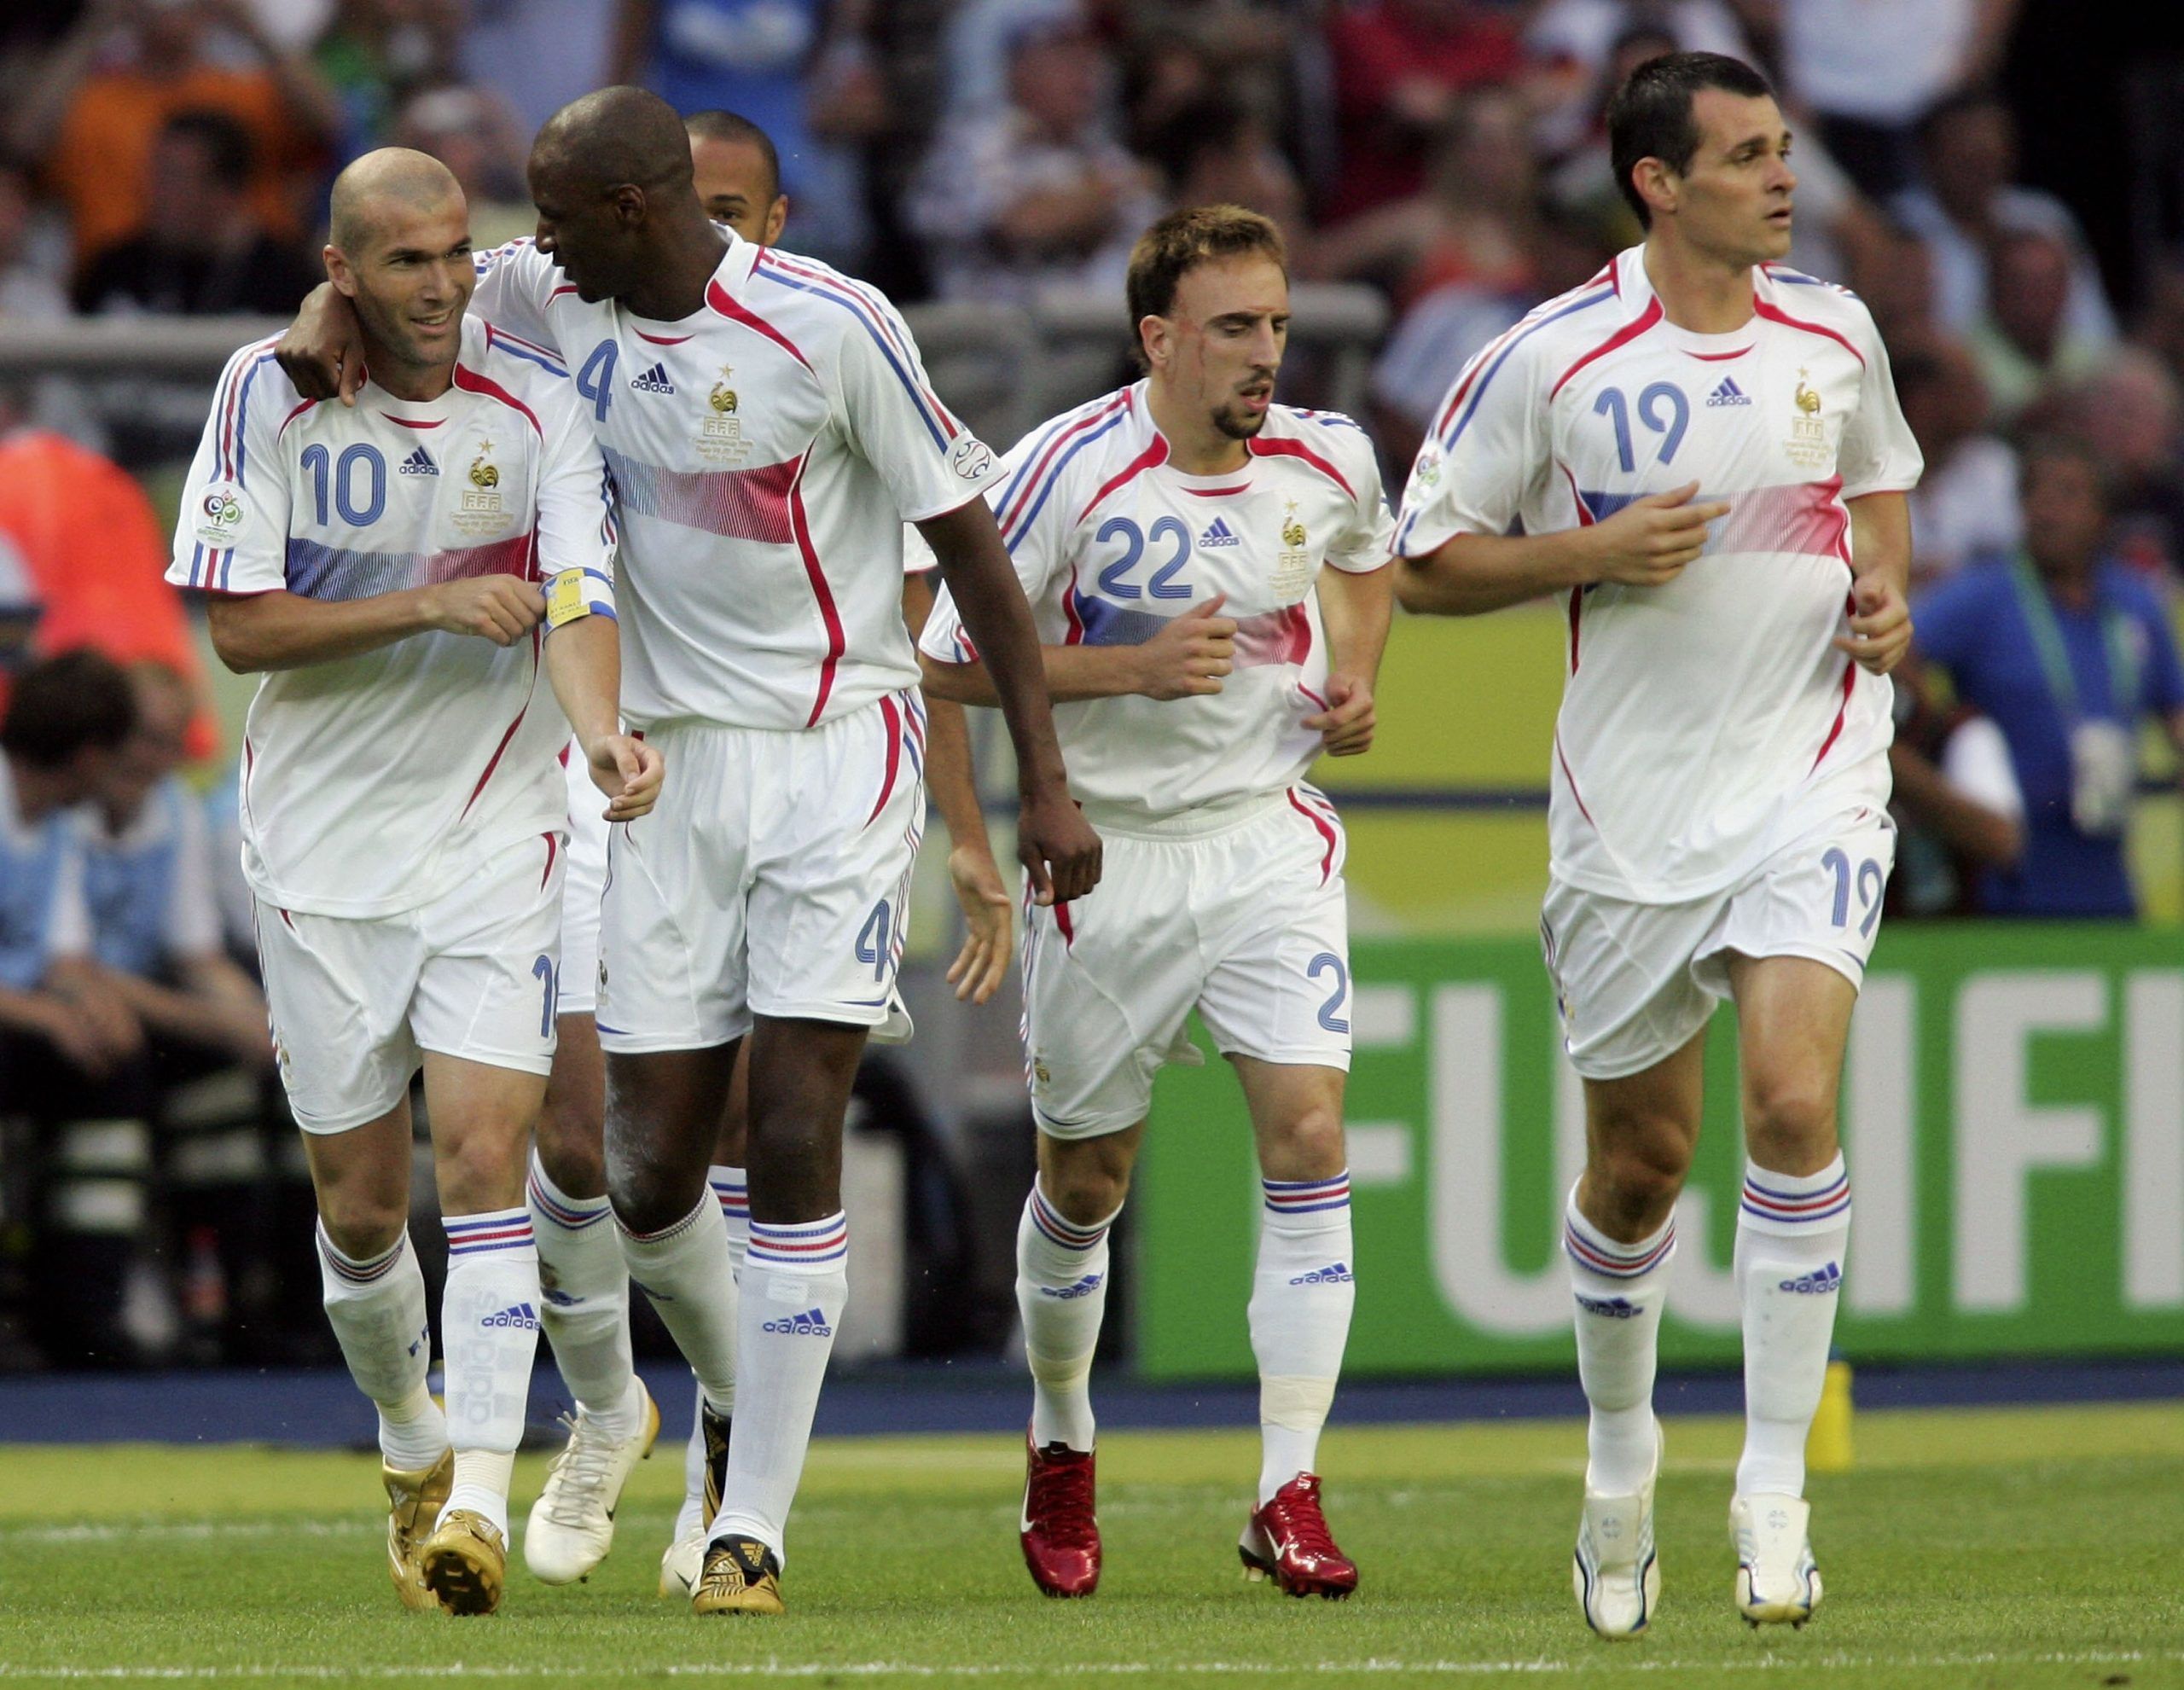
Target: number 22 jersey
1701,720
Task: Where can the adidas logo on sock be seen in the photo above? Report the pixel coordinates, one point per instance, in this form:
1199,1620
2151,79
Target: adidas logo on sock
520,1316
1820,1282
809,1324
1728,393
418,462
654,381
1335,1273
1611,1308
560,1299
1084,1287
1220,534
418,1343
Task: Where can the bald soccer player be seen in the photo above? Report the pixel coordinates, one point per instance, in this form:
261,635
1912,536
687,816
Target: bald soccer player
400,573
769,429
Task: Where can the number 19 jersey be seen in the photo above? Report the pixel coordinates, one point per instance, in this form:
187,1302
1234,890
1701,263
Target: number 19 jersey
1701,719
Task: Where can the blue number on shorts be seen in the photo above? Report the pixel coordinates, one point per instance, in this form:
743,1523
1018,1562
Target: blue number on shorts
1612,405
544,972
1838,863
315,460
345,479
596,380
872,942
1326,962
1164,584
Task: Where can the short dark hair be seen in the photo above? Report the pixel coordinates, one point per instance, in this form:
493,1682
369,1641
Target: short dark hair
62,704
1649,116
229,153
1184,239
724,125
2036,451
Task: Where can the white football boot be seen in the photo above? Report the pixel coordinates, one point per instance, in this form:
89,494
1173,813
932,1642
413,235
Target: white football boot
1615,1574
1777,1583
572,1525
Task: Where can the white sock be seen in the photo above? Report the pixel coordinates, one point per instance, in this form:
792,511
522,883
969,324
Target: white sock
1061,1293
489,1326
1302,1291
795,1284
585,1291
729,1187
685,1271
1791,1232
377,1310
1620,1291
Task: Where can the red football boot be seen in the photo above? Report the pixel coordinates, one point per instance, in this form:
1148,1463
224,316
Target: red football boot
1288,1542
1060,1534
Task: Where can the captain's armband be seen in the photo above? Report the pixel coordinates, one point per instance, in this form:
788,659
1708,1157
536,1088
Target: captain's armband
574,594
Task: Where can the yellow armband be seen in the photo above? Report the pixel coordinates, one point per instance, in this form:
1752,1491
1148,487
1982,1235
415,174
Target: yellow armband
572,594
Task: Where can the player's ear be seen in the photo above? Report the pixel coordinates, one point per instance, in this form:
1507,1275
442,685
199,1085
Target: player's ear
1156,334
777,220
1656,182
338,272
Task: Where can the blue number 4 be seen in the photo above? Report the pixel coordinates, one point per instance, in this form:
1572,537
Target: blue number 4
596,380
871,941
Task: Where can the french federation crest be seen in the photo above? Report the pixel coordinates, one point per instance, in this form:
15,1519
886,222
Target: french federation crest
482,511
1808,445
1293,564
720,437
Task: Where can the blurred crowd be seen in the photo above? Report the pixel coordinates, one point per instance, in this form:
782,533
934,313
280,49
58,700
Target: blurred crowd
170,157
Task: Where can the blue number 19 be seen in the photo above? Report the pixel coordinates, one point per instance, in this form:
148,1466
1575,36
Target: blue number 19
1612,405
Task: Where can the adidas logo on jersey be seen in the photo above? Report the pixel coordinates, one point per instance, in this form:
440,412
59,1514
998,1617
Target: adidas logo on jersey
1610,1308
1335,1273
654,381
1084,1287
1820,1282
418,462
1728,393
809,1324
519,1315
1220,534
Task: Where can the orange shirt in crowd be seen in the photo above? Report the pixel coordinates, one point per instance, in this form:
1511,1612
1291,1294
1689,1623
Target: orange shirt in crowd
98,559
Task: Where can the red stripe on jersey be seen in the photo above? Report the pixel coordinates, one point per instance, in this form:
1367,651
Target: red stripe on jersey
292,415
1218,492
661,340
1577,610
501,749
1326,832
1629,331
1842,709
1572,778
800,525
1776,314
1062,920
1076,633
1151,458
400,421
566,288
553,844
1263,448
1716,357
726,304
471,382
893,718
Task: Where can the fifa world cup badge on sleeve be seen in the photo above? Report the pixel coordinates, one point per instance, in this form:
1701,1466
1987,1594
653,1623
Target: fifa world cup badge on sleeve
219,515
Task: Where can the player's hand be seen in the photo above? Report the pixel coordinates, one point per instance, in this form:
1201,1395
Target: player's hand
983,963
1055,844
1881,625
1346,726
1648,543
1190,653
322,353
498,607
628,771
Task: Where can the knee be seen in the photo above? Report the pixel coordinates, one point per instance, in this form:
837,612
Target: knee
1308,1146
1086,1179
362,1222
571,1148
1638,1176
642,1200
1790,1123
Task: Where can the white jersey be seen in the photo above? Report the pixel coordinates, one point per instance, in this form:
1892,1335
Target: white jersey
372,784
766,452
1698,715
1111,542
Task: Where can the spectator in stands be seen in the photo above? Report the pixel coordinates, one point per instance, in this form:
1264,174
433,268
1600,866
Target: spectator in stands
1582,51
377,54
2129,408
470,131
2071,653
1871,69
71,1055
537,55
1892,270
1039,195
1219,151
1965,505
1400,67
29,292
93,120
202,251
20,611
1958,809
1966,201
2028,344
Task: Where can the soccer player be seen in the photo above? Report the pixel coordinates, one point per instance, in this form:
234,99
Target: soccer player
769,429
1171,538
404,819
1705,455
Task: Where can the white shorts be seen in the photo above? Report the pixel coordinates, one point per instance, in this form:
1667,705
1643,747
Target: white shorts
1241,916
1636,982
581,888
356,1002
772,879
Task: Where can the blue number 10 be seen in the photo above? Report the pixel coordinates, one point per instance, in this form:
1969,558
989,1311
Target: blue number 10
1612,405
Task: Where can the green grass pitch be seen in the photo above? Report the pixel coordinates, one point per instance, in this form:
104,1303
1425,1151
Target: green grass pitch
1990,1548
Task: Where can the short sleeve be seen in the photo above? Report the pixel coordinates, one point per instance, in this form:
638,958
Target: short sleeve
515,284
231,535
193,926
577,526
1877,453
1364,543
931,463
1036,548
1486,447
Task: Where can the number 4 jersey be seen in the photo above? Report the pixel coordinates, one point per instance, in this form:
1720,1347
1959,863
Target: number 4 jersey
1701,721
372,784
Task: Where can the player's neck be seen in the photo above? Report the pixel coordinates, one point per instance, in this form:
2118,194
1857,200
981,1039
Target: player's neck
1697,291
418,383
676,284
1195,446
